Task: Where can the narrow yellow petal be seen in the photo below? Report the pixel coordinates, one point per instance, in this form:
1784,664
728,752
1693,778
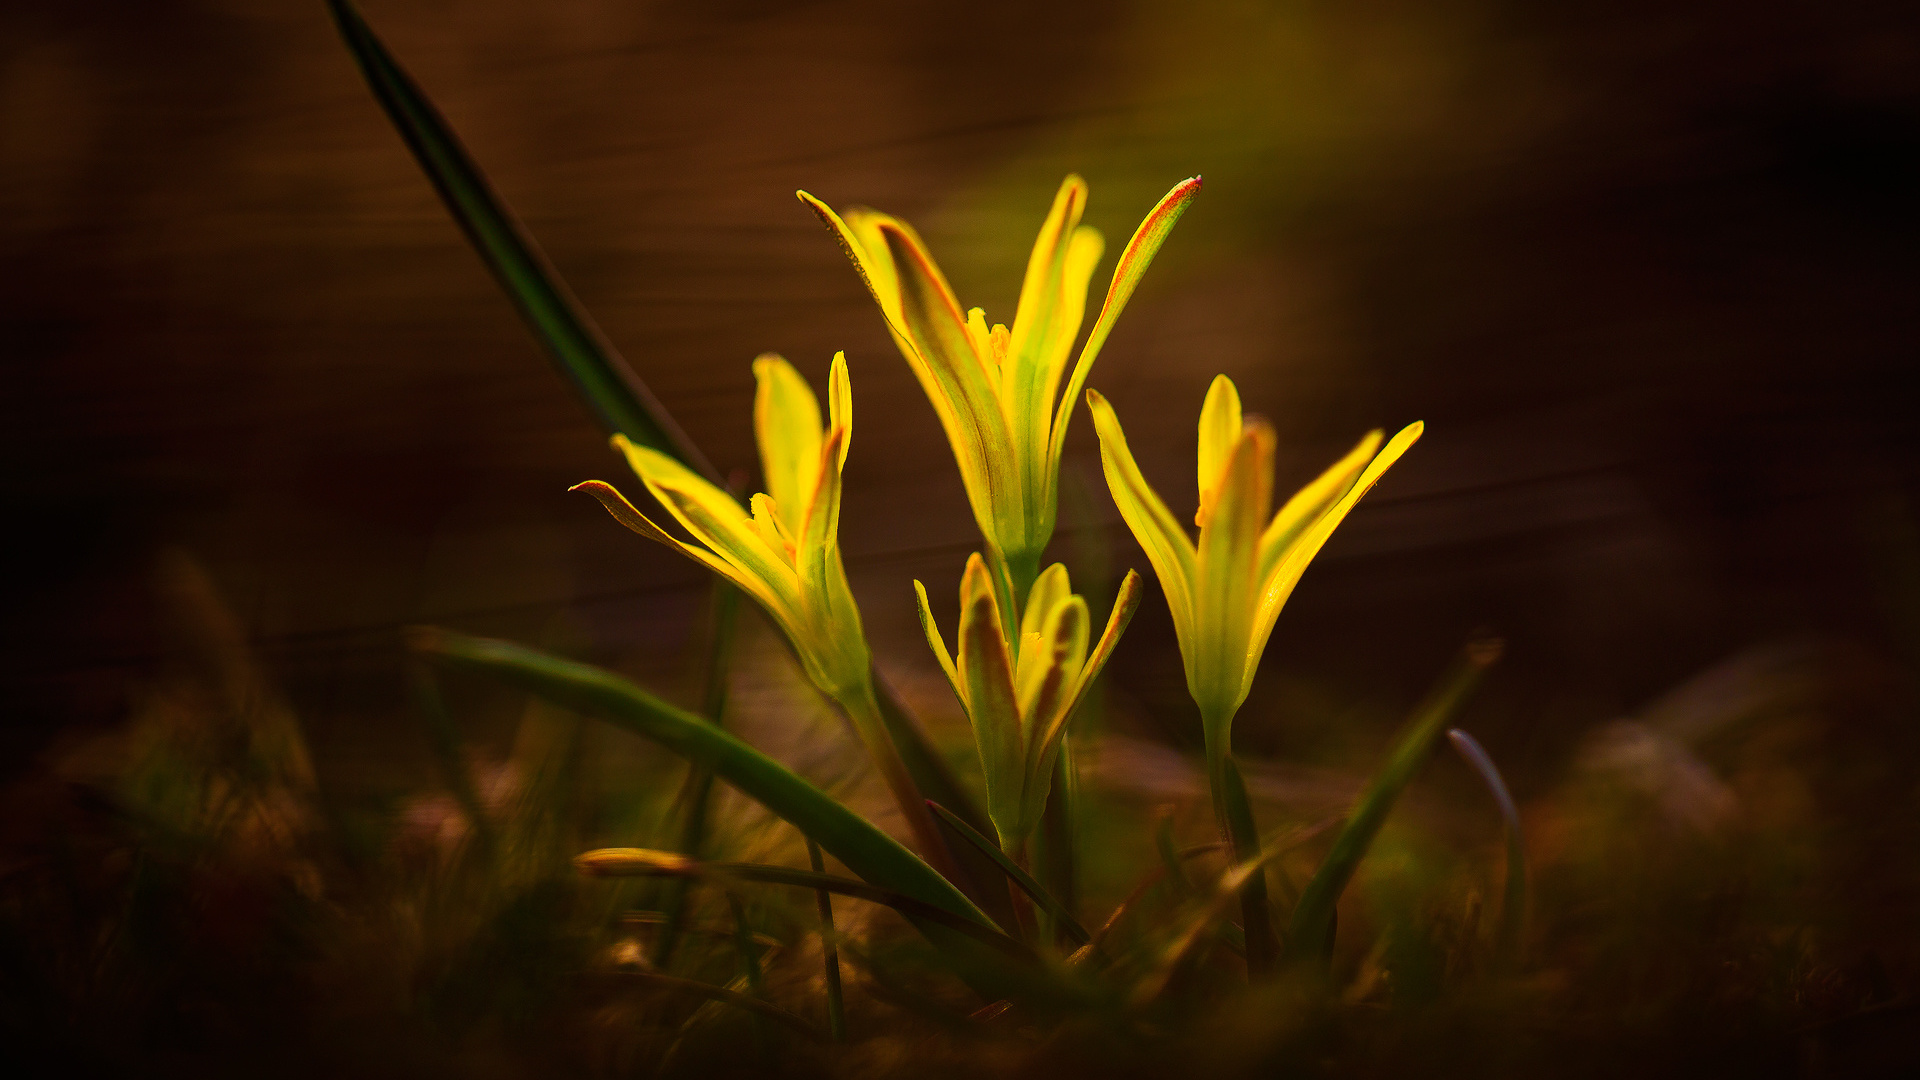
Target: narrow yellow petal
1153,525
716,520
1280,581
840,404
1035,320
1310,502
820,533
778,606
1219,434
786,424
1134,260
1227,593
938,644
925,322
1045,733
1050,589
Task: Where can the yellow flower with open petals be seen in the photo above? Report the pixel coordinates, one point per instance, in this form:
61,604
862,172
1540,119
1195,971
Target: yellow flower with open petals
1226,591
1020,698
997,390
785,551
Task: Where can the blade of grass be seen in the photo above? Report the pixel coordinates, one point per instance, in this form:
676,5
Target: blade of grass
454,766
1513,905
743,943
830,950
616,394
1057,857
936,781
1012,870
723,608
640,862
727,996
1310,932
877,858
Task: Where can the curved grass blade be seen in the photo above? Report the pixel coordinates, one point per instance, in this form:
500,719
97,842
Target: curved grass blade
857,843
1513,906
830,950
617,395
1011,869
727,997
1310,932
640,862
723,610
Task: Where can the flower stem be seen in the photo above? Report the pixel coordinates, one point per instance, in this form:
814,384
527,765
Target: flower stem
864,711
1235,815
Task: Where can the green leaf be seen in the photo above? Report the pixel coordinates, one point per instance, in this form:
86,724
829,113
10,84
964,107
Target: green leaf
863,848
1013,872
1310,932
623,403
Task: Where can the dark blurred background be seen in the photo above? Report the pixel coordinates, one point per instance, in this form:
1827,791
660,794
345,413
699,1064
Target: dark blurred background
1647,270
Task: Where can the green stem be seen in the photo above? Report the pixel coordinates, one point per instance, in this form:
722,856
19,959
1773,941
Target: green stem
830,949
1235,814
1055,846
864,711
723,607
1310,931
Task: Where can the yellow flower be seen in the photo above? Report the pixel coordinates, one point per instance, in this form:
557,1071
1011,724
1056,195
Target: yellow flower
1019,700
1226,591
785,551
997,390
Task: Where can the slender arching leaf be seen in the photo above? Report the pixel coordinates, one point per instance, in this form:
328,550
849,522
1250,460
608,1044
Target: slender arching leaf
1310,932
1018,876
1513,908
870,853
617,395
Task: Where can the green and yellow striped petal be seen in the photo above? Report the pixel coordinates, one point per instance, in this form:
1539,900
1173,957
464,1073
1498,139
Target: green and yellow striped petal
1226,590
1280,583
786,425
1153,525
986,673
1219,434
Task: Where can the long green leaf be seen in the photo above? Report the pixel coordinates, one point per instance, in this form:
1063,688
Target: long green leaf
874,856
1014,874
639,862
1310,932
622,402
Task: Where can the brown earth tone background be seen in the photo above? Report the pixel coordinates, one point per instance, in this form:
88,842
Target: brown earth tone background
1646,270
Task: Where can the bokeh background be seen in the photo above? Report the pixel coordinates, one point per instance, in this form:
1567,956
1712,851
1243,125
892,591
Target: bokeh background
1647,271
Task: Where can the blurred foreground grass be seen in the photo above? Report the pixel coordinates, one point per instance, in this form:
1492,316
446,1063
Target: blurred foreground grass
1722,884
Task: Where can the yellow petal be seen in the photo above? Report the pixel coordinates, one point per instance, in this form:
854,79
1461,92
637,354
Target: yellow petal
840,404
1050,589
1134,259
786,423
1219,434
1227,592
952,375
1035,320
986,671
1282,578
1152,524
1310,502
1044,735
715,520
781,607
821,532
938,644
